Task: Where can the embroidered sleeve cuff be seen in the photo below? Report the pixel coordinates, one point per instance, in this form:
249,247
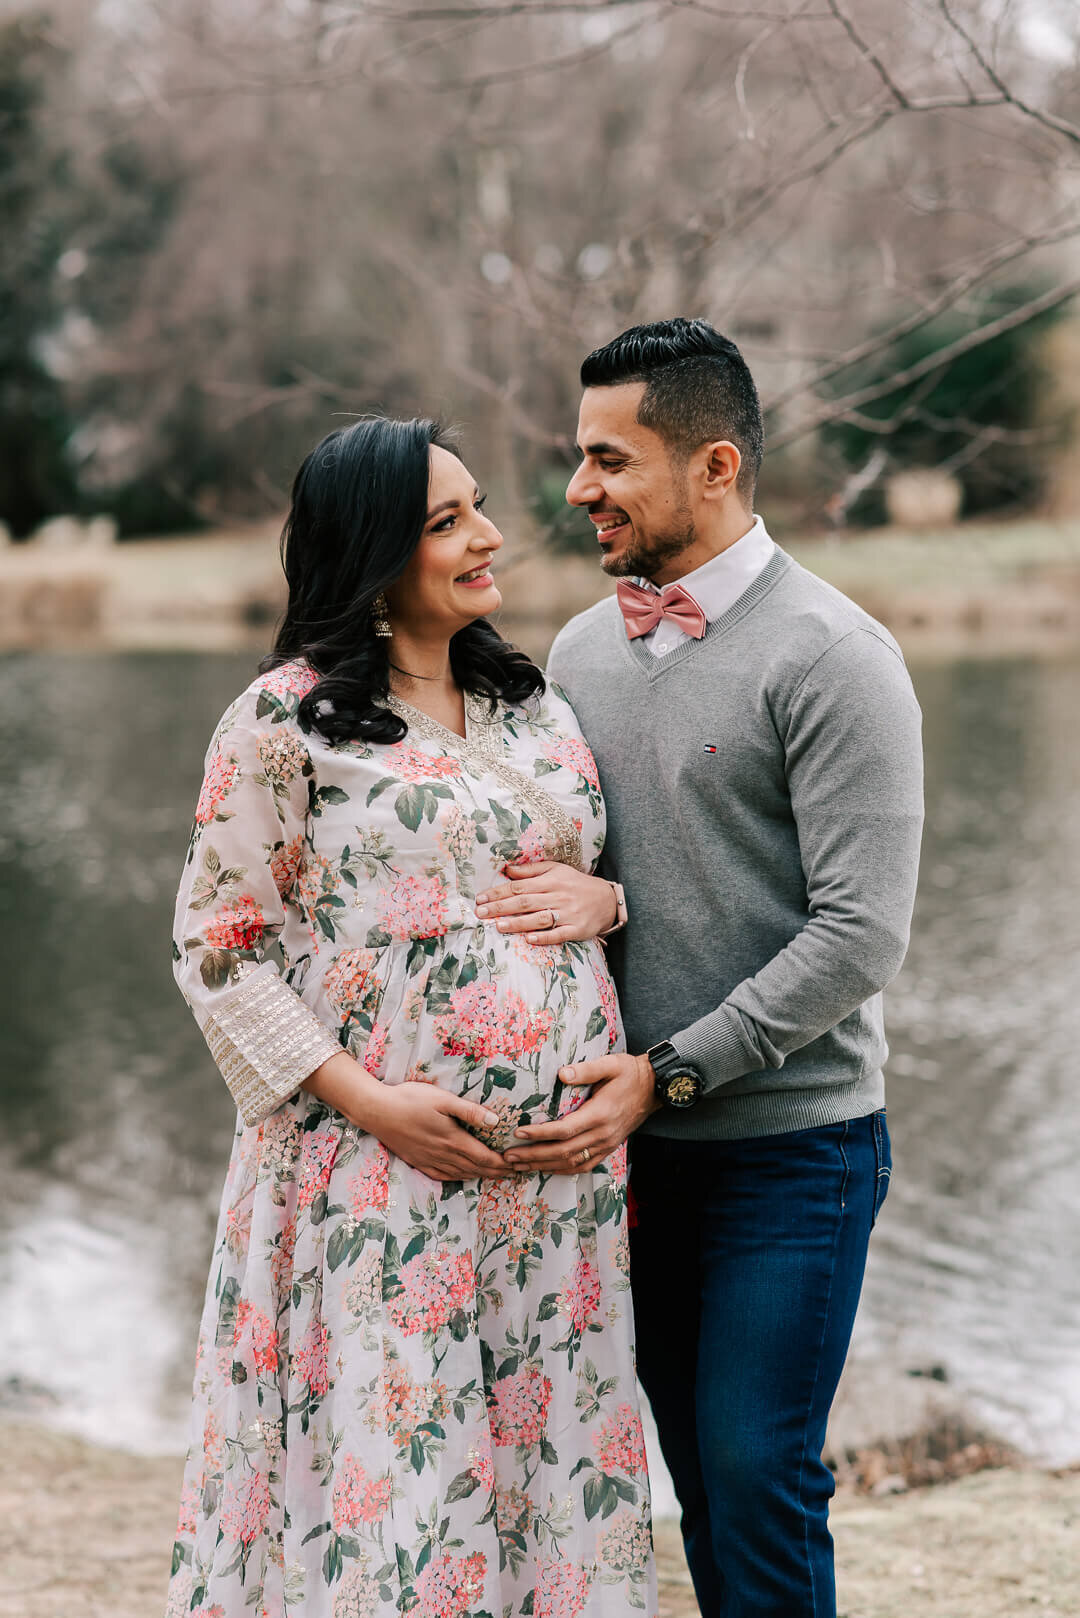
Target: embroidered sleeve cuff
266,1042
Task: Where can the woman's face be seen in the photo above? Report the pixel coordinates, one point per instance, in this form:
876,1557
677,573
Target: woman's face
447,584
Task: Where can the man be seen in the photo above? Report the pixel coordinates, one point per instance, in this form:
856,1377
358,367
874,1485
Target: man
758,743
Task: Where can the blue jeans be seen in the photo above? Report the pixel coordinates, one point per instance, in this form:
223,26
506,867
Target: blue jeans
746,1263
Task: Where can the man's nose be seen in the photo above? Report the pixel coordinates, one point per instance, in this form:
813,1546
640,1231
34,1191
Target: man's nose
583,489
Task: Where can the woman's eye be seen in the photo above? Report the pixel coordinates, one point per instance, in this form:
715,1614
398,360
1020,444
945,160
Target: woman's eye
446,524
480,502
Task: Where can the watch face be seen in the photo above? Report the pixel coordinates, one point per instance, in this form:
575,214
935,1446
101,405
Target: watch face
682,1090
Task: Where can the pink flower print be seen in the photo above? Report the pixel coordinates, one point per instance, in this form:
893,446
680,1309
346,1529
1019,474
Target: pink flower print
620,1443
358,1498
482,1461
315,878
436,1284
369,1190
281,1261
375,1049
605,990
280,1143
363,1295
189,1511
477,1025
573,1097
450,1586
457,834
573,754
407,1404
221,776
579,1296
350,981
357,1595
238,1229
283,757
255,1331
514,1511
531,844
316,1163
617,1164
293,679
213,1446
309,1363
627,1545
238,926
519,1407
285,862
411,763
507,1210
245,1507
562,1589
415,907
206,1612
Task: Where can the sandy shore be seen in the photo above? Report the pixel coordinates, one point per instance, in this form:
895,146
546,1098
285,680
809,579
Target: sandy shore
87,1532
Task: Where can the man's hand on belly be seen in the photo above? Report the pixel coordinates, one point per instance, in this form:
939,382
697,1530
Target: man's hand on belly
624,1095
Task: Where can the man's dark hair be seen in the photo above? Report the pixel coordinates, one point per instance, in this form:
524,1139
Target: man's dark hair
697,388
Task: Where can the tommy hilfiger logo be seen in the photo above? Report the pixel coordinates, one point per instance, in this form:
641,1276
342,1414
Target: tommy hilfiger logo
709,748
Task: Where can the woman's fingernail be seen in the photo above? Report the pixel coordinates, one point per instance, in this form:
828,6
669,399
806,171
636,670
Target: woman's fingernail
521,1134
510,1158
564,1073
481,899
491,1117
501,925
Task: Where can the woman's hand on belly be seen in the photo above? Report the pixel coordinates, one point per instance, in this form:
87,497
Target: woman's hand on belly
417,1122
582,906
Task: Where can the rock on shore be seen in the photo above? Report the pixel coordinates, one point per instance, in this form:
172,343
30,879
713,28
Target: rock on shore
87,1532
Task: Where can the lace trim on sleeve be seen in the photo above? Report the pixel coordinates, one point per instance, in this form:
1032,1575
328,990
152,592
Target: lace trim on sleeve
266,1042
484,745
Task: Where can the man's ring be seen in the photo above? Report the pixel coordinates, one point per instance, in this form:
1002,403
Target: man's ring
584,1155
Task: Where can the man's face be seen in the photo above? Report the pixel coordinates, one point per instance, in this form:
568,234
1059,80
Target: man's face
637,499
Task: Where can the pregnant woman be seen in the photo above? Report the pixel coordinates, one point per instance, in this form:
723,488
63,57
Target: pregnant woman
414,1386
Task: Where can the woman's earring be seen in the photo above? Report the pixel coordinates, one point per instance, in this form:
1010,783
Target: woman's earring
380,617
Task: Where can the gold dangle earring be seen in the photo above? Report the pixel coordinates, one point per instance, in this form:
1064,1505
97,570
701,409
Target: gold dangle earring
380,617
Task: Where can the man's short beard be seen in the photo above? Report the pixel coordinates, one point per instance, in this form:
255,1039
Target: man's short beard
644,557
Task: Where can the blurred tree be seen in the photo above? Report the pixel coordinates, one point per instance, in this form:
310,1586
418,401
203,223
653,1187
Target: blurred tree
309,210
36,478
974,416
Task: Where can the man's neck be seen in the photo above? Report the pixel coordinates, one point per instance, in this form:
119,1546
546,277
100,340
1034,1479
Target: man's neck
703,549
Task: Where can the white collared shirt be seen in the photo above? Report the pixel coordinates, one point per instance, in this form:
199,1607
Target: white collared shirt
716,585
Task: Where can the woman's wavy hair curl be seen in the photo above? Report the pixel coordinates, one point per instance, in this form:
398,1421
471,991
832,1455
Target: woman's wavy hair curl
359,504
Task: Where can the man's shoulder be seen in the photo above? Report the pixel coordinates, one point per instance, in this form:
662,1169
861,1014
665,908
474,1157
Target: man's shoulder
818,617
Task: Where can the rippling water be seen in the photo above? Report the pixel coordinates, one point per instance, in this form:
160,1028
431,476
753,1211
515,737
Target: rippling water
115,1126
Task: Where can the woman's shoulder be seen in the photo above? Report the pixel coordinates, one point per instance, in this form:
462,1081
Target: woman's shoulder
272,698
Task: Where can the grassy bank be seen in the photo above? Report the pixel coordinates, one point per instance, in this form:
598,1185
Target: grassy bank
86,1533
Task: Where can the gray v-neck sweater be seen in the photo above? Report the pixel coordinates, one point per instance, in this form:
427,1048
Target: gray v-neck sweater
764,796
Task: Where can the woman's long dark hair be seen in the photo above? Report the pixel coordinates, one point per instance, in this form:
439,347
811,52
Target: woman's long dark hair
359,504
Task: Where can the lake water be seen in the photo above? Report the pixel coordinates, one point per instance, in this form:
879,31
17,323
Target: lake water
115,1128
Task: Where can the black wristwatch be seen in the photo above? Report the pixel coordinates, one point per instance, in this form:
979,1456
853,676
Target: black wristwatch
677,1083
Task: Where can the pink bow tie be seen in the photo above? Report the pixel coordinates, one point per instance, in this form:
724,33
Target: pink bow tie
643,609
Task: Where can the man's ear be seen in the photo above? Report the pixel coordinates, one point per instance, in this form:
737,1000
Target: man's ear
720,469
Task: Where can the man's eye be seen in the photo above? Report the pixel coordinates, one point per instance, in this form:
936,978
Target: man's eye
610,466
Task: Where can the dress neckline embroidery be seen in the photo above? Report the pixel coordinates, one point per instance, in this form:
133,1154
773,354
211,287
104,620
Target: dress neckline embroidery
483,742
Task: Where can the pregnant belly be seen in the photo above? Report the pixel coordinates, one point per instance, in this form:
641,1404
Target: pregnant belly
494,1026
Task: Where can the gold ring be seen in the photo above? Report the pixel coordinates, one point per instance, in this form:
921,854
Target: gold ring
584,1155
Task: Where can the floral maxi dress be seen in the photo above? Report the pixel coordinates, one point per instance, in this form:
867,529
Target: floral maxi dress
410,1396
